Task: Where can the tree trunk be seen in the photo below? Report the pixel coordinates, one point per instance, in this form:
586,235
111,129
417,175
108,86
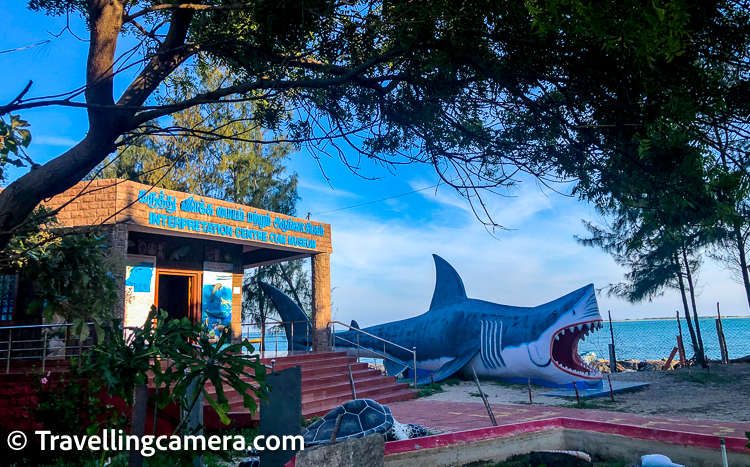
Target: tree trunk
743,257
701,352
685,306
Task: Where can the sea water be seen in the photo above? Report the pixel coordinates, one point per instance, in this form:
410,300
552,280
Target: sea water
654,339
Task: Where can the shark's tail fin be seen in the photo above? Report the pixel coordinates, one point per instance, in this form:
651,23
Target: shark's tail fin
296,325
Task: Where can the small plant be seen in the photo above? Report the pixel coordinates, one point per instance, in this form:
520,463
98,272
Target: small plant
452,382
309,421
475,394
430,389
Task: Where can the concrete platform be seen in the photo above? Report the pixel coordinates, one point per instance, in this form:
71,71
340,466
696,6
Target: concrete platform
598,391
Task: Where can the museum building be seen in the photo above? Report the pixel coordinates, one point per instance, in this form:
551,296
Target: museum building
187,254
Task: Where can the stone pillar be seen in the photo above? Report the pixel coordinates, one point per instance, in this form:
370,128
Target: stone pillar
321,301
118,240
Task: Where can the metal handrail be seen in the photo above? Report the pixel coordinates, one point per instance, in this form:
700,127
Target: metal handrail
278,327
384,341
43,342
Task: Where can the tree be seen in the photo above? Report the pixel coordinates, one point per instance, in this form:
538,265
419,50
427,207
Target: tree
478,90
657,232
71,270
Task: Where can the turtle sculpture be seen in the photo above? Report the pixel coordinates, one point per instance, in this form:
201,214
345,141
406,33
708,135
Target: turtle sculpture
360,417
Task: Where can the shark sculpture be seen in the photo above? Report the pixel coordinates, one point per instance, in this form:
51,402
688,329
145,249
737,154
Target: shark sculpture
508,342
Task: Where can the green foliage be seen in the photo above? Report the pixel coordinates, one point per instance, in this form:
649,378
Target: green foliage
116,365
70,404
74,280
430,389
73,274
309,421
14,137
125,360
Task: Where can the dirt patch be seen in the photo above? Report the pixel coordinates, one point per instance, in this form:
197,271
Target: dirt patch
722,394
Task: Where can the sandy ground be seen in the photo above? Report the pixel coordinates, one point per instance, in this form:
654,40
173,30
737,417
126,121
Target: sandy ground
722,394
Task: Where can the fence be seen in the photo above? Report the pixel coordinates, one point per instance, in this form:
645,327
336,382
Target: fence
654,339
45,343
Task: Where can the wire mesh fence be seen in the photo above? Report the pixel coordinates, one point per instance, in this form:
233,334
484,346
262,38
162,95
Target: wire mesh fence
654,339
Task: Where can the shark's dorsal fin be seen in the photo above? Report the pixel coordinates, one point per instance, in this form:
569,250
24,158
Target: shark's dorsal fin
448,284
354,324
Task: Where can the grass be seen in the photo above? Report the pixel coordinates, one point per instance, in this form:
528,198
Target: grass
599,403
475,394
430,389
452,382
701,376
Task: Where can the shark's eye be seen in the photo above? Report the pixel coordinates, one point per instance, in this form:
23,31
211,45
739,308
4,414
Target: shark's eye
554,313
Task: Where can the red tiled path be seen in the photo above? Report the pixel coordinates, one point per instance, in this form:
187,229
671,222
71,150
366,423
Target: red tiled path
451,417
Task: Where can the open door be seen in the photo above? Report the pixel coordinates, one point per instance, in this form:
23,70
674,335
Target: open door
179,294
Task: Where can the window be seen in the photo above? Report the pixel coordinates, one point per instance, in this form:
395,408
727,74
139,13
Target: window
8,284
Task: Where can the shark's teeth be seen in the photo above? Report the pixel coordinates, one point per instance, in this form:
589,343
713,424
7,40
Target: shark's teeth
557,337
572,328
562,333
580,326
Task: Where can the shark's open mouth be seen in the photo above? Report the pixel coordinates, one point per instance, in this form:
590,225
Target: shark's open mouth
565,349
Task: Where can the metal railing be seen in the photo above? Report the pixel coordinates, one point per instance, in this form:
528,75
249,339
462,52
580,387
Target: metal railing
270,330
385,342
22,342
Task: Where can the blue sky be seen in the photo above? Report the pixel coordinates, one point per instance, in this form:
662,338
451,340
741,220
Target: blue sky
382,268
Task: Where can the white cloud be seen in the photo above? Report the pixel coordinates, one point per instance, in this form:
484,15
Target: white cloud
325,189
54,141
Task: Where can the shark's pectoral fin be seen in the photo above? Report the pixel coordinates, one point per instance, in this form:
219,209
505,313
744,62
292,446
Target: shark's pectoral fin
394,368
451,367
537,356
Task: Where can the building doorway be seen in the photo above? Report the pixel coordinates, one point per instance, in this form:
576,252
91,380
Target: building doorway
178,293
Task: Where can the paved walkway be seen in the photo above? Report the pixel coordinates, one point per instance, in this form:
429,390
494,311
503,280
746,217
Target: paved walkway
449,417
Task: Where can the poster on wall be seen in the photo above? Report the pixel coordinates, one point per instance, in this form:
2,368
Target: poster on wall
216,305
140,286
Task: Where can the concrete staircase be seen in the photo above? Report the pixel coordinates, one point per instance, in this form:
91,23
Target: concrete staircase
325,385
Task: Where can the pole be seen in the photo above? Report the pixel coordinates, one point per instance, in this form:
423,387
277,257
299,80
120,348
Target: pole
336,427
415,367
484,398
351,381
724,453
10,343
613,355
44,350
611,392
578,397
528,385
